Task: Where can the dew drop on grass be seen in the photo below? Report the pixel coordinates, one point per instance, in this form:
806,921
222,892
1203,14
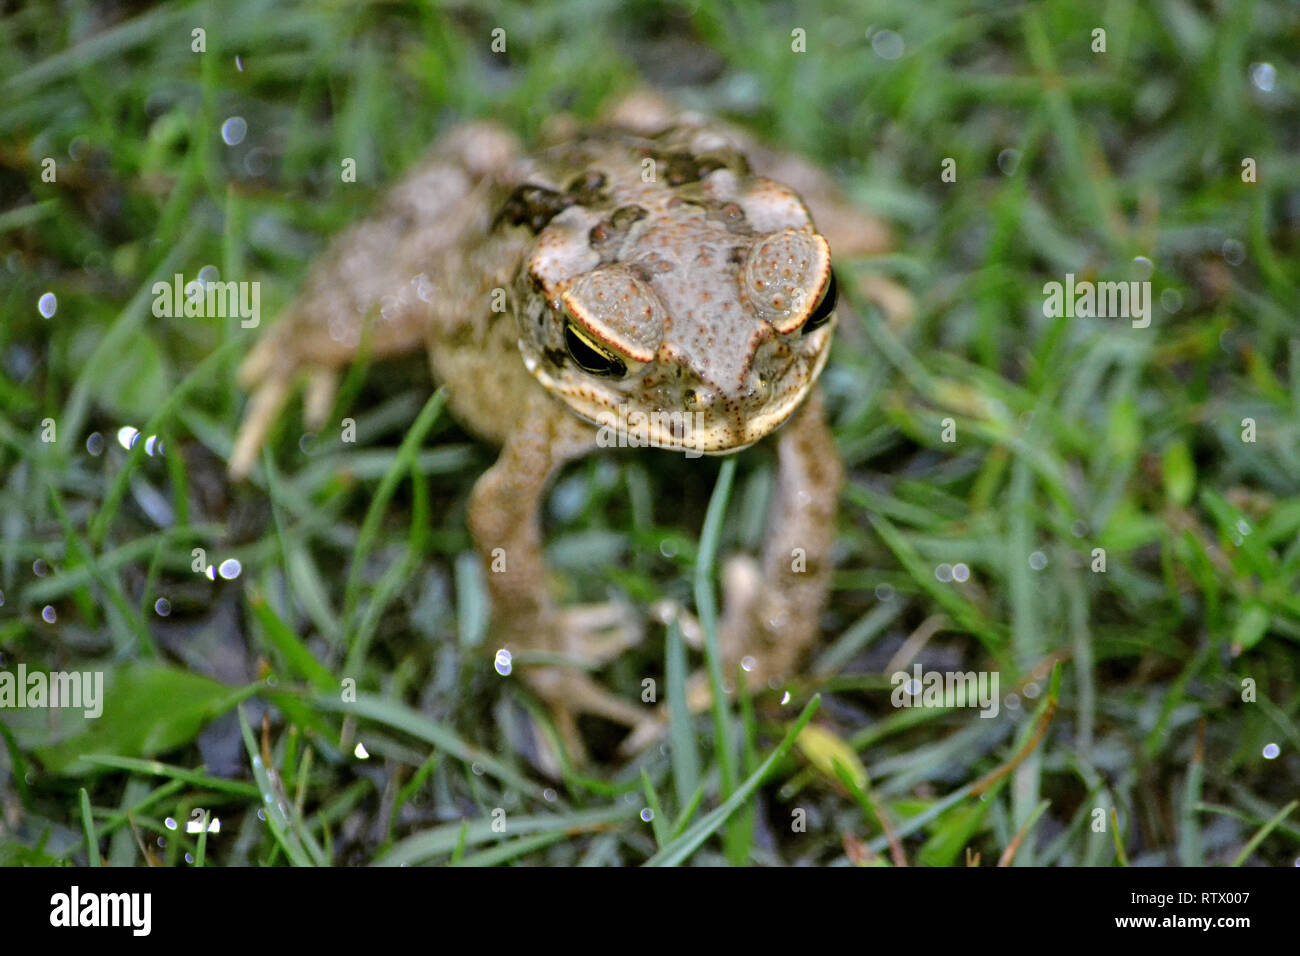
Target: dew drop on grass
1271,751
943,573
887,44
647,814
47,305
48,614
95,444
960,572
162,607
1263,76
230,569
40,568
234,130
502,662
1038,560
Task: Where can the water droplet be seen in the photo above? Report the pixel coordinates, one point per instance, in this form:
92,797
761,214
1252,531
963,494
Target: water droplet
1242,526
162,607
1171,300
785,698
230,569
476,769
549,795
239,63
211,572
887,44
209,273
944,573
502,662
1009,161
360,751
1234,253
668,548
1038,560
152,445
47,305
1143,267
234,130
1031,690
1271,751
748,664
647,814
884,592
912,687
95,444
48,614
1263,76
2,598
170,823
960,573
40,568
127,436
1012,702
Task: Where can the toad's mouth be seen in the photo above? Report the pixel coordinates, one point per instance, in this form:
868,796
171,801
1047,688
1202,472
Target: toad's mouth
625,422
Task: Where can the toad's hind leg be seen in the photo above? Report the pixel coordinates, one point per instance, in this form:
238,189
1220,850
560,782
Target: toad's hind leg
380,285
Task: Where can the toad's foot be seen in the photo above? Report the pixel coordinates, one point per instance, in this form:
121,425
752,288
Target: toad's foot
587,637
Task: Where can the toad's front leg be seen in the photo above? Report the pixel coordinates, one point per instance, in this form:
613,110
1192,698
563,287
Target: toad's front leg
771,607
504,520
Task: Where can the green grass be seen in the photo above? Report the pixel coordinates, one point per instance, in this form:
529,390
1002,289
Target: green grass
1175,668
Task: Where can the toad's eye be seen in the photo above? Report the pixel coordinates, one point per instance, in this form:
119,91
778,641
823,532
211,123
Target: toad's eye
589,356
825,306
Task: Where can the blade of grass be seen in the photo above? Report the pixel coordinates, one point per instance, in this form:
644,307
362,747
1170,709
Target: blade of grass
1264,831
88,826
680,849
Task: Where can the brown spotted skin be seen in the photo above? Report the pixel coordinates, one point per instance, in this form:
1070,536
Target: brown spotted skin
645,266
